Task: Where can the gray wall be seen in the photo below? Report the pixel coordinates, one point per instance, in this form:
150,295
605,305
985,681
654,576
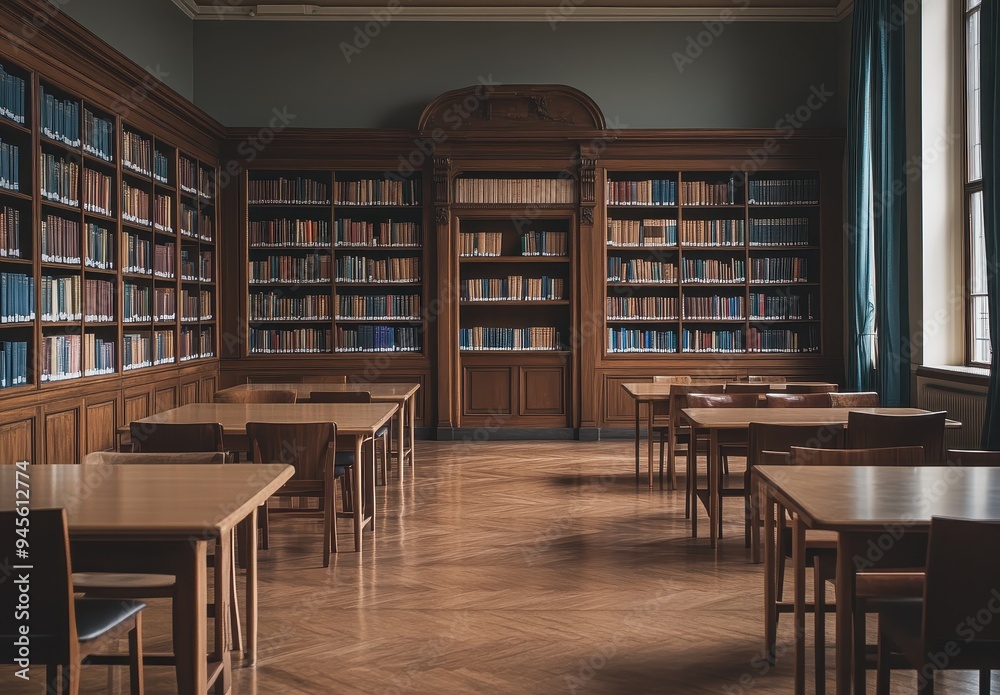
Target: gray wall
749,76
153,33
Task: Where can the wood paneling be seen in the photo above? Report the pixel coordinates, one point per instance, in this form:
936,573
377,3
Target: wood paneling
101,423
619,408
543,391
488,391
136,407
62,436
208,385
17,441
189,392
165,398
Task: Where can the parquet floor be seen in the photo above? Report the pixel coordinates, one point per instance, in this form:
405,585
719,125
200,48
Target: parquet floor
511,567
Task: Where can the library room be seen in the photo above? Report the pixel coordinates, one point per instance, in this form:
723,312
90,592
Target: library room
592,347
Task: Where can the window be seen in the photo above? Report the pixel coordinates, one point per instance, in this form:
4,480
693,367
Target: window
979,350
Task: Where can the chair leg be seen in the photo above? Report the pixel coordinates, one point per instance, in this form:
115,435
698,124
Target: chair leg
329,511
333,516
264,535
984,681
925,686
53,679
661,462
385,460
860,629
234,606
820,573
882,677
135,674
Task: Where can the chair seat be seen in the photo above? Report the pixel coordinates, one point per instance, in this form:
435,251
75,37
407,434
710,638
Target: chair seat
96,616
82,581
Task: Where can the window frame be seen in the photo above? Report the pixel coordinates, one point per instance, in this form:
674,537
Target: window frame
970,188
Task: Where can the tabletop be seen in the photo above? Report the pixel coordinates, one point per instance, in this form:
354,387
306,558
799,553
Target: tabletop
379,391
736,418
642,390
143,500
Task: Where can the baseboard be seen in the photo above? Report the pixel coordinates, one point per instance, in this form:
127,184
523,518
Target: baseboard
484,434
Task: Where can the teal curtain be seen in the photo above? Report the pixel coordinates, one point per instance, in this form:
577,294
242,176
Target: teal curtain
989,94
879,342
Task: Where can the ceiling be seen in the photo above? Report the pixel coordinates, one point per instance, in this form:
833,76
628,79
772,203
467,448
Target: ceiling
552,11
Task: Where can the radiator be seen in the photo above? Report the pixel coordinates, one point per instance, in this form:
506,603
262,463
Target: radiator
963,403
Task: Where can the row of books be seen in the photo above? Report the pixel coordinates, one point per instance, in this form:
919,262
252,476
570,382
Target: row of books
164,349
365,269
289,340
136,307
554,191
646,192
269,306
194,180
60,118
786,231
649,232
378,306
196,305
61,299
60,180
716,340
311,268
194,345
99,300
779,270
779,340
165,260
640,270
196,267
513,288
98,355
648,308
388,233
10,166
713,270
10,232
197,224
98,136
100,247
377,192
287,191
714,307
164,303
709,193
638,340
61,357
545,244
378,339
135,205
137,153
289,233
712,233
530,338
161,167
136,255
13,363
136,351
480,243
783,306
97,192
17,298
60,240
11,97
783,192
163,214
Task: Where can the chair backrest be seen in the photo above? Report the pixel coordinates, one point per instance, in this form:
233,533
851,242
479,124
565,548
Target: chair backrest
679,398
862,399
764,437
323,379
671,380
744,387
50,615
340,397
714,378
885,456
798,400
960,589
969,457
870,430
663,407
255,396
176,438
307,446
766,379
115,458
722,400
810,388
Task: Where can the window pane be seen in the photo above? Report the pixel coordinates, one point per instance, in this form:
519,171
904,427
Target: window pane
972,3
972,137
977,235
980,330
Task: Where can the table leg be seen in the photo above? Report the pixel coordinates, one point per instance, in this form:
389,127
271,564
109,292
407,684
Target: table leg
359,512
713,487
399,417
411,411
251,563
189,608
638,432
223,616
692,480
770,580
846,552
649,441
799,566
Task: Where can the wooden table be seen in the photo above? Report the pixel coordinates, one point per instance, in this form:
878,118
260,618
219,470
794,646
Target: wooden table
402,394
355,423
649,393
159,519
711,421
864,505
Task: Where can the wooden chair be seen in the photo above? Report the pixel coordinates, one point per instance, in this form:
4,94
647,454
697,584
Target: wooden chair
970,457
862,399
744,387
766,379
869,430
165,438
310,447
65,632
797,400
323,379
115,458
255,396
381,435
946,630
661,411
672,432
730,443
810,388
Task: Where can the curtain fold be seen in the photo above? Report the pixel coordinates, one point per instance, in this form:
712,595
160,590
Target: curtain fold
879,342
989,54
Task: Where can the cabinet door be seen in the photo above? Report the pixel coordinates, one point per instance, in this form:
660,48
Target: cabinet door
543,391
488,391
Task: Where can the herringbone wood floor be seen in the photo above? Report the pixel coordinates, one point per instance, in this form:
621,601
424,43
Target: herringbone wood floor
510,567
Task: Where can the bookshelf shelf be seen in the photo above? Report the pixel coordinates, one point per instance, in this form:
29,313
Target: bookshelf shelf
18,195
